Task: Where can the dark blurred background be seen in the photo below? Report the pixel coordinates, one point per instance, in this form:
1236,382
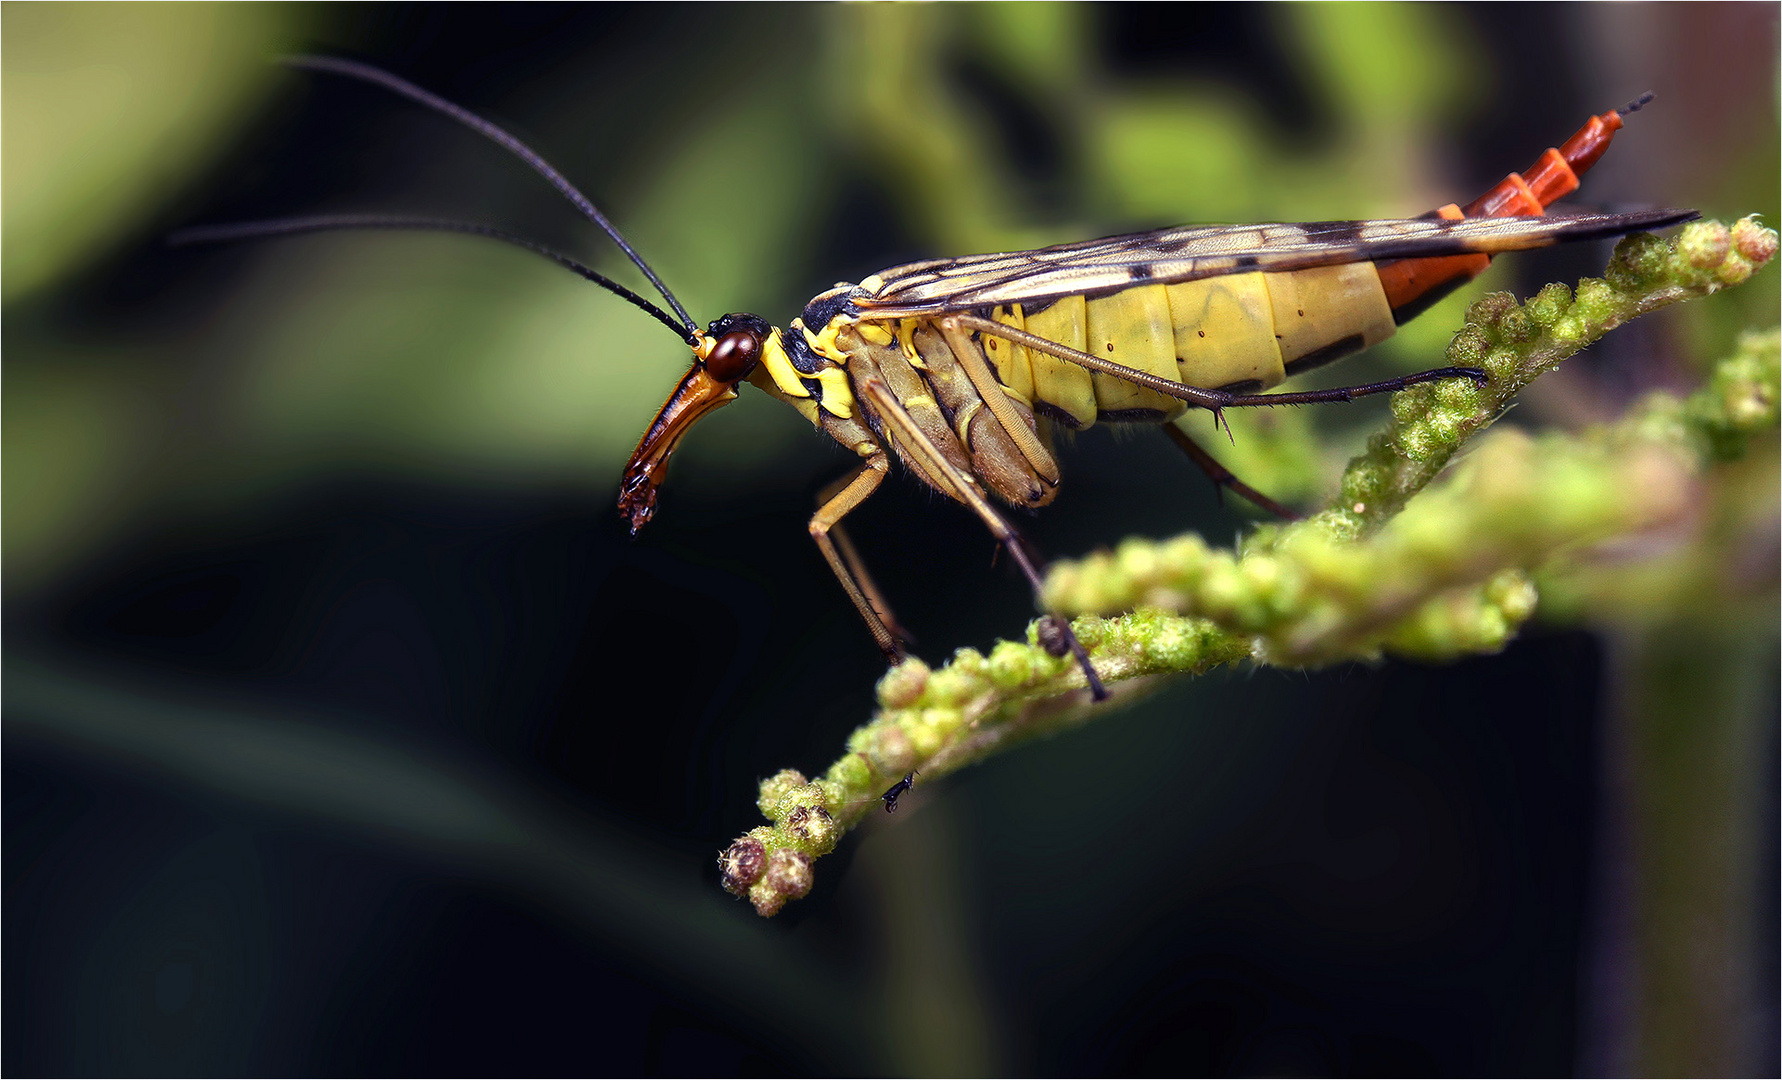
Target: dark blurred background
346,732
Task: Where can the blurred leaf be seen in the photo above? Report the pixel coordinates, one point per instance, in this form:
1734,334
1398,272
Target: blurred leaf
1169,155
71,433
1041,44
108,107
1384,65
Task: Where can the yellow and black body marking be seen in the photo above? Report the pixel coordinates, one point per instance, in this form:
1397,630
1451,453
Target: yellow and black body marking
963,367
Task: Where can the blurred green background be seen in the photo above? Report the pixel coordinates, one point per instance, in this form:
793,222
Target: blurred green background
346,732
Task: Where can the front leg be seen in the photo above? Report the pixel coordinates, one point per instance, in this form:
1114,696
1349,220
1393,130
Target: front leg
845,562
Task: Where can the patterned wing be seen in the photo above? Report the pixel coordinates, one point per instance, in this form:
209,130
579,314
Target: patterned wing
1100,267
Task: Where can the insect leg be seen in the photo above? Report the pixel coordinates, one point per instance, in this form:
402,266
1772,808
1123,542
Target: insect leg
1222,477
965,489
1214,399
971,359
1350,393
847,568
850,556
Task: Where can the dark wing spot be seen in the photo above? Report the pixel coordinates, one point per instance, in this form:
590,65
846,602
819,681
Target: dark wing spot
1110,346
1202,333
1139,273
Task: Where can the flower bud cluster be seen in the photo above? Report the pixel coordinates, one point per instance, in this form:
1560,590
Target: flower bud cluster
936,721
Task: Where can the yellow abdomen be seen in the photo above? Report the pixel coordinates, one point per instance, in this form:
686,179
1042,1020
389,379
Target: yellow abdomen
1237,330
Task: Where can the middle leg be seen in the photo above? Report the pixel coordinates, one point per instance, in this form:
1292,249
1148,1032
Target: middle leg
1222,477
844,562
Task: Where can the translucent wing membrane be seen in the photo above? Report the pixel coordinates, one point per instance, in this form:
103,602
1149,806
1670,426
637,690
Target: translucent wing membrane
1167,256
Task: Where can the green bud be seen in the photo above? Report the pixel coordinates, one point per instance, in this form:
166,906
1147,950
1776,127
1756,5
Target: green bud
1012,665
787,877
1549,304
1514,594
969,664
813,829
1503,363
902,686
1458,393
1704,244
774,791
851,773
1408,407
1221,590
1595,300
926,739
1754,243
1486,311
1363,482
1640,261
1519,327
892,754
1090,631
799,797
1469,347
952,687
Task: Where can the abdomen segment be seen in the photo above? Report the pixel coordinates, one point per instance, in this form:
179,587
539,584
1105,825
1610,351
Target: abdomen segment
1237,330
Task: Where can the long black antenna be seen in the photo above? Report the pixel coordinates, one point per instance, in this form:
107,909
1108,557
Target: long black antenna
352,69
256,230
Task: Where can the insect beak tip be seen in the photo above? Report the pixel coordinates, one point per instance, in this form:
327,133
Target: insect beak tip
696,395
637,498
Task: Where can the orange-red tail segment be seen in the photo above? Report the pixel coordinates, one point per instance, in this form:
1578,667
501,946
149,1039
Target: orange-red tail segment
1412,285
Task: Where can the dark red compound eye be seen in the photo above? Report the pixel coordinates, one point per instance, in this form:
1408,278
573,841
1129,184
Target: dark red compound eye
734,356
